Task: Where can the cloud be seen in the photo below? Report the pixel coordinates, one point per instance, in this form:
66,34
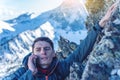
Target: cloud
8,12
12,8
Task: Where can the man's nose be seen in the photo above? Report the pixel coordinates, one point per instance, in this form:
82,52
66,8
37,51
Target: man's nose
43,51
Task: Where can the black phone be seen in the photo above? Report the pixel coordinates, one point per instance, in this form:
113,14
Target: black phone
35,62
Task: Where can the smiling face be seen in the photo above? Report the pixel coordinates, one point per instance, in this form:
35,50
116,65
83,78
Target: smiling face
44,52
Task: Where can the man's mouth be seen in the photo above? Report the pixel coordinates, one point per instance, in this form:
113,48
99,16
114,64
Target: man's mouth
44,58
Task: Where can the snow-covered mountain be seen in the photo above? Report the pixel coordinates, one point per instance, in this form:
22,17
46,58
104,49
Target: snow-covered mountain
16,39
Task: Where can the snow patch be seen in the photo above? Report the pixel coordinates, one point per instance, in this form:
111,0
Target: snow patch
4,25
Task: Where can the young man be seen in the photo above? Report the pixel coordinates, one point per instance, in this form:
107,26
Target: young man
42,64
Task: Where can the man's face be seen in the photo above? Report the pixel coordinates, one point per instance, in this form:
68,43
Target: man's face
44,52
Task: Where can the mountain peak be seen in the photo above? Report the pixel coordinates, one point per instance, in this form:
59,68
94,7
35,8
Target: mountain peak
72,9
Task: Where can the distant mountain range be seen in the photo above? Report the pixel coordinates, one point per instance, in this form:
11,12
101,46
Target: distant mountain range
66,20
17,35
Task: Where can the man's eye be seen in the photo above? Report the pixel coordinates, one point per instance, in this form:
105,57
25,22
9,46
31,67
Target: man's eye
47,48
37,49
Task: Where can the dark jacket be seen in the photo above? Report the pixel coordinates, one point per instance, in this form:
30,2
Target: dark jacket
60,69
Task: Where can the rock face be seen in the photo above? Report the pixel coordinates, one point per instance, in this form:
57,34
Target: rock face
96,10
65,49
104,61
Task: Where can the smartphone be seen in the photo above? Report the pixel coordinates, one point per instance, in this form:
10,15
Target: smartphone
35,62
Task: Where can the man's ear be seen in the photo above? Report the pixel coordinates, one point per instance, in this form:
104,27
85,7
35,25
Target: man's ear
32,50
54,54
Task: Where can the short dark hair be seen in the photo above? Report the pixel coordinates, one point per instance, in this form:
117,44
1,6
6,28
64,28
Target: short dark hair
43,39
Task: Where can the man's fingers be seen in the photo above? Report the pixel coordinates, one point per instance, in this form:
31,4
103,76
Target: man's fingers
111,10
113,7
32,59
108,15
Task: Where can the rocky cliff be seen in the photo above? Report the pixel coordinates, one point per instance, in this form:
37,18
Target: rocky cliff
104,60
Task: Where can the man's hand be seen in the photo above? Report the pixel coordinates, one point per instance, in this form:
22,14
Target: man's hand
32,63
108,15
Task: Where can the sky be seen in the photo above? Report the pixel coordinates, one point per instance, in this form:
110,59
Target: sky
12,8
